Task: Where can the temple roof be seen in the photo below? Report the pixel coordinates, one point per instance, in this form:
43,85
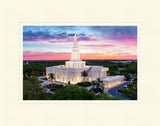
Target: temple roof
112,78
75,61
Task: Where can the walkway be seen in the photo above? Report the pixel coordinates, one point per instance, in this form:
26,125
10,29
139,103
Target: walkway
44,83
114,91
89,88
48,91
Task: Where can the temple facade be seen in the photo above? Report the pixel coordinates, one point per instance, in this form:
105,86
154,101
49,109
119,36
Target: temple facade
112,81
71,71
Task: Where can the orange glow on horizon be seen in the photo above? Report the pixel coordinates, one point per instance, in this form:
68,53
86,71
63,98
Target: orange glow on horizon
67,56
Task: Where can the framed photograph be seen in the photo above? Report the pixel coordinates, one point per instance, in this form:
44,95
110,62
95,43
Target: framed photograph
79,62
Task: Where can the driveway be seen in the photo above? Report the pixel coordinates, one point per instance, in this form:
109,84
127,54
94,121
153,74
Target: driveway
114,91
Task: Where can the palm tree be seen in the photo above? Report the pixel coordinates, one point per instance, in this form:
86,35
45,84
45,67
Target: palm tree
43,70
51,77
84,74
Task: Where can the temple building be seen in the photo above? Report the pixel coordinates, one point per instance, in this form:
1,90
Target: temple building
71,71
112,81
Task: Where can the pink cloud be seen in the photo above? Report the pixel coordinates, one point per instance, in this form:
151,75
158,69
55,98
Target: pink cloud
67,56
99,46
45,56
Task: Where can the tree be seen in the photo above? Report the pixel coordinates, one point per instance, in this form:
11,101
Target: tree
130,91
127,77
98,79
32,90
132,69
43,70
51,77
104,96
73,92
113,68
84,74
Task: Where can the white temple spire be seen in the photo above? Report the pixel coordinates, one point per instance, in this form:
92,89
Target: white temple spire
75,52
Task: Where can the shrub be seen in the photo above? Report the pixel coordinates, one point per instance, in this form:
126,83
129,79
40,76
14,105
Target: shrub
86,84
72,92
104,96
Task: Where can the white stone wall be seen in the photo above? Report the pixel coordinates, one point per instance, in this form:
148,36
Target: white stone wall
112,81
48,71
64,73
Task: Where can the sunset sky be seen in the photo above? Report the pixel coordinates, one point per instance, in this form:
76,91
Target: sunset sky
95,42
